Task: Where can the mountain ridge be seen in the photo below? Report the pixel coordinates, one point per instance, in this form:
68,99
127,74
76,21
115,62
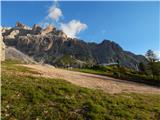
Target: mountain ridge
52,46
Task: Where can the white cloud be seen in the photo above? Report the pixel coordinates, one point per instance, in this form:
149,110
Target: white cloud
72,28
43,24
157,54
54,12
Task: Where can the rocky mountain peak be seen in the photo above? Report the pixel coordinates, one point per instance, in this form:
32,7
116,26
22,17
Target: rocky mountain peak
111,44
62,35
36,29
48,29
21,25
105,41
52,45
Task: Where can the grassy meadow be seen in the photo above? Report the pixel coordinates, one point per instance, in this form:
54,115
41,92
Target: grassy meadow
28,97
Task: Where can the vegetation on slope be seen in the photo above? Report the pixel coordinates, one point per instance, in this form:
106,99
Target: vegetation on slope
123,73
26,97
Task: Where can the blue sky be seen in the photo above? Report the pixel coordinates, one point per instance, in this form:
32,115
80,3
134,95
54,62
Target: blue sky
133,25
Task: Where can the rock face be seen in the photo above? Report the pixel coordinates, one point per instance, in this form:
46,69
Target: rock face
14,54
22,26
48,29
54,47
2,55
36,29
13,34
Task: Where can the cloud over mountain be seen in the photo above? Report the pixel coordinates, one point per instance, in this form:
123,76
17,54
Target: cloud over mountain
72,28
157,54
54,12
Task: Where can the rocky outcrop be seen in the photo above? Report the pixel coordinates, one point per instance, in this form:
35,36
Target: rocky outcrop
36,29
12,34
22,26
61,34
12,53
2,51
54,47
47,30
5,29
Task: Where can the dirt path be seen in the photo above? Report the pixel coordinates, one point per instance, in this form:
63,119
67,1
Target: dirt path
107,84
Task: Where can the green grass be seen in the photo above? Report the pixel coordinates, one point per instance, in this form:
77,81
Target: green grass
25,97
13,66
65,61
122,73
98,72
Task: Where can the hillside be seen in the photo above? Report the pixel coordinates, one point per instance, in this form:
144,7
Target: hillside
52,46
29,96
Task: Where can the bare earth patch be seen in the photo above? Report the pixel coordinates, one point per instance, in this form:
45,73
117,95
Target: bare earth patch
107,84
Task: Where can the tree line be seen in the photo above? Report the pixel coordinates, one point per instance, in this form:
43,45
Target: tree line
152,67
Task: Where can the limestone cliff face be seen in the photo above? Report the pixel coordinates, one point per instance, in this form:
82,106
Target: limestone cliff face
2,51
54,47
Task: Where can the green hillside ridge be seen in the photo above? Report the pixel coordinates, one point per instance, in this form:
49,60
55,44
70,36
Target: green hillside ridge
26,97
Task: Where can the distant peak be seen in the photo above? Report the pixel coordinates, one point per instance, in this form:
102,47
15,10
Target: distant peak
18,24
21,25
106,41
48,29
36,28
36,25
112,44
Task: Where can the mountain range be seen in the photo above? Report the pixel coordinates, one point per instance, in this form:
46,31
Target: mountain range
52,46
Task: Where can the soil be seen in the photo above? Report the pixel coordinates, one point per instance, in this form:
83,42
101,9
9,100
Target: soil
107,84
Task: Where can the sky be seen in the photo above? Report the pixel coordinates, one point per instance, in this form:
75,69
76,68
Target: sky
133,25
